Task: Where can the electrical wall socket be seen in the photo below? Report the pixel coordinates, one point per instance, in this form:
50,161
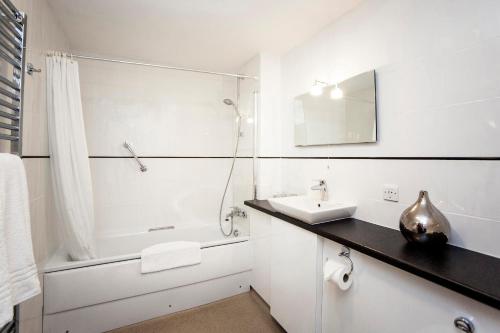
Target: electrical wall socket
391,192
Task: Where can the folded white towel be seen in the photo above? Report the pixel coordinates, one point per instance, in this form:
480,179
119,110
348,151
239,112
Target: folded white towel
18,272
170,255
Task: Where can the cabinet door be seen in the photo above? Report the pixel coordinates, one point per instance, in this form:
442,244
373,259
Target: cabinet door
294,278
260,231
386,299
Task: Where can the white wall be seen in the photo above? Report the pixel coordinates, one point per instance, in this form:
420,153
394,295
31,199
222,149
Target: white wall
437,75
269,137
162,112
438,89
44,34
179,120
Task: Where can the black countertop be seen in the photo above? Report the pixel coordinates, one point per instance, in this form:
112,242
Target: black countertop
467,272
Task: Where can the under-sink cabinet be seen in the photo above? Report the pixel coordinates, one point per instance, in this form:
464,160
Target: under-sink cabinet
295,283
386,299
382,297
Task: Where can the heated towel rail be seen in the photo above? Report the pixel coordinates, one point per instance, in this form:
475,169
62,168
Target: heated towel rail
12,69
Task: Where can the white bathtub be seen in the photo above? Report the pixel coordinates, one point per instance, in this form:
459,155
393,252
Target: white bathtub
110,292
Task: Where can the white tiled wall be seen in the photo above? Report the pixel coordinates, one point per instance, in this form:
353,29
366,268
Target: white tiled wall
438,81
43,35
165,114
438,93
174,191
270,124
162,112
42,211
458,188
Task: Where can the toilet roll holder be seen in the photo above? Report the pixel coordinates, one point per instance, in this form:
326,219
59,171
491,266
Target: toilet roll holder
346,253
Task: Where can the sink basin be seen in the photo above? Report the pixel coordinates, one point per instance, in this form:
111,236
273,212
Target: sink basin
310,210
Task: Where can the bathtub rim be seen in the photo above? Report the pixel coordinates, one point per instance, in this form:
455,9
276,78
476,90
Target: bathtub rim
59,261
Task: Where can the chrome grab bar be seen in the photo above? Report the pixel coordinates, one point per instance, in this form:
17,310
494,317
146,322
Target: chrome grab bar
142,167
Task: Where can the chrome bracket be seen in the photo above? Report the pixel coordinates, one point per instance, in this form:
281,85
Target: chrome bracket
30,69
346,253
19,16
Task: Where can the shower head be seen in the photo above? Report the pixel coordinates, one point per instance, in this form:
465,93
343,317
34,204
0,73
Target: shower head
228,101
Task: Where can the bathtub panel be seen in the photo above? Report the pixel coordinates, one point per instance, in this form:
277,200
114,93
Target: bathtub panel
111,315
74,288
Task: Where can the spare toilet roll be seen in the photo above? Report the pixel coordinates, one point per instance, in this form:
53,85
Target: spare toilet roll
337,273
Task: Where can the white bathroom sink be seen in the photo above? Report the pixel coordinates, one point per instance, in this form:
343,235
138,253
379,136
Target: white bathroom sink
312,211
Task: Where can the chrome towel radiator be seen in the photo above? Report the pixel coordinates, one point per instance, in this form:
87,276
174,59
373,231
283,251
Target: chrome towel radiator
12,69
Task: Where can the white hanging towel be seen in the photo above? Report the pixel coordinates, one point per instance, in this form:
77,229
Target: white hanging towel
170,255
18,272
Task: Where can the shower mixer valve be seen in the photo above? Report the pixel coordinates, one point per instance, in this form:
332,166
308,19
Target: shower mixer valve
236,211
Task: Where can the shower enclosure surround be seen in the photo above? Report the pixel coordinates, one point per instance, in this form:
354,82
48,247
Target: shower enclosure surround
110,292
180,128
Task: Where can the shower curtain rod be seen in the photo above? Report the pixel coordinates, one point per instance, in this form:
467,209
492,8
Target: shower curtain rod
241,76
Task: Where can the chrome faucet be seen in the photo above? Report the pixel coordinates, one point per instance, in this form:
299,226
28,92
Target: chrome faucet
323,188
236,211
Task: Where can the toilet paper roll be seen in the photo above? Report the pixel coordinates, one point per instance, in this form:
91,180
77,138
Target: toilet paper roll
337,273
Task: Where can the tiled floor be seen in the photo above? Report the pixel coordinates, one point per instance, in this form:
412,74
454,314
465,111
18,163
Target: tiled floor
245,313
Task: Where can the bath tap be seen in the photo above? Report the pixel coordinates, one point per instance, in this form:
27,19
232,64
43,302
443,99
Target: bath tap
236,211
323,188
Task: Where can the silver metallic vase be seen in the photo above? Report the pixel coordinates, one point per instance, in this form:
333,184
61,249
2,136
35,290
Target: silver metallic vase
423,223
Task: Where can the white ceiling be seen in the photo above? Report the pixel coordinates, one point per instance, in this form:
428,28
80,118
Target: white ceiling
205,34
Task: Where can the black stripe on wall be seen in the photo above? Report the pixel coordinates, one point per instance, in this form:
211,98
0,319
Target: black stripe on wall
35,156
94,157
423,158
169,157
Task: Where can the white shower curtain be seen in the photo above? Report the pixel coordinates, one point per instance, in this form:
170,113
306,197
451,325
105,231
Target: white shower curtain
69,157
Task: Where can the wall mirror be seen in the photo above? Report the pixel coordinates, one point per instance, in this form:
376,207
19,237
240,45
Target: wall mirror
337,114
